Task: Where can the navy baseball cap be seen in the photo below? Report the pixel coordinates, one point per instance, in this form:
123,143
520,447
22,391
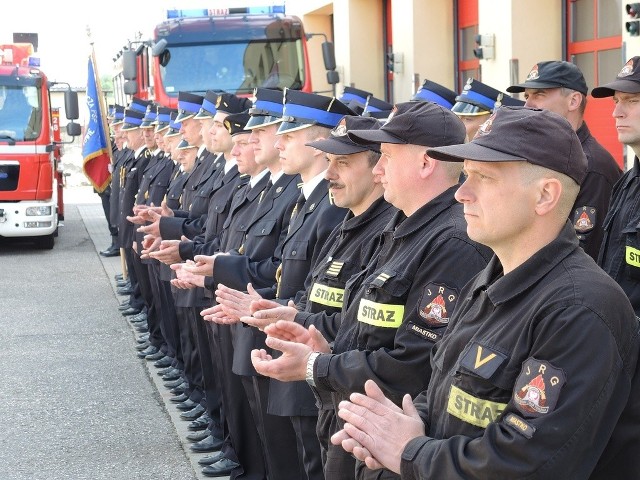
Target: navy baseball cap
510,134
339,143
302,110
416,123
627,81
188,105
553,74
436,93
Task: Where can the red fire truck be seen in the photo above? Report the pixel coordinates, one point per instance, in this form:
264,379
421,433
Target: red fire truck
233,50
30,148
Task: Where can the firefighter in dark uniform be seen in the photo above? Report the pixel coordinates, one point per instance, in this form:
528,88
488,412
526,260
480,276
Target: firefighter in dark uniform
170,227
346,252
217,194
398,307
560,87
537,374
153,188
248,458
115,117
130,175
255,262
620,249
306,117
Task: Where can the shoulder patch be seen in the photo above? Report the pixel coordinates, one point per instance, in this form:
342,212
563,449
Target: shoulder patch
436,304
481,360
537,388
584,219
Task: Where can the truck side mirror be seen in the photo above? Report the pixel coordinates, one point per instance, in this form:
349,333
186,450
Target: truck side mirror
159,47
73,129
333,77
328,55
71,105
130,87
129,65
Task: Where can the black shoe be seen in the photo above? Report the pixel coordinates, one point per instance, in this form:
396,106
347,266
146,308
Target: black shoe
150,350
208,444
179,399
174,383
124,306
123,283
175,374
211,459
196,412
144,328
124,291
199,436
118,276
139,318
112,251
156,356
165,371
130,311
188,404
143,346
180,388
199,424
163,362
221,468
143,338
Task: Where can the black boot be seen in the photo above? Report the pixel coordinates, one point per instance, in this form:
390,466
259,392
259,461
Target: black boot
113,250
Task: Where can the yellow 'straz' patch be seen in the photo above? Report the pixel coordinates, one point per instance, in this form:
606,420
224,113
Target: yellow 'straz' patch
380,314
632,256
470,409
329,296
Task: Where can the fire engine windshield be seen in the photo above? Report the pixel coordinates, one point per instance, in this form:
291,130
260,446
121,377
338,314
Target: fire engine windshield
234,67
20,112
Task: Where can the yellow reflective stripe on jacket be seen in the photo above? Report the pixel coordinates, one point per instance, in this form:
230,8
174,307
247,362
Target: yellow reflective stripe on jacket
329,296
380,314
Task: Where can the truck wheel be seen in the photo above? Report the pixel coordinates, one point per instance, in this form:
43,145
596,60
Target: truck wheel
44,243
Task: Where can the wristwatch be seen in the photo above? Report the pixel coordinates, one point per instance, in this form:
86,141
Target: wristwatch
310,362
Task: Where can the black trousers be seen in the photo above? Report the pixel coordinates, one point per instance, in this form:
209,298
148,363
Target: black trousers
235,405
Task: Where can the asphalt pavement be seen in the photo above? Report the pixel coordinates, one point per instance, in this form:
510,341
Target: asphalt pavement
76,402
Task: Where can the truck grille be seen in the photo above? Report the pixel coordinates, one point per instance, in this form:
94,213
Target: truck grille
9,174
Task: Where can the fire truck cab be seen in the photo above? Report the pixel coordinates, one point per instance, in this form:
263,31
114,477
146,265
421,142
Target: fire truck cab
231,49
30,148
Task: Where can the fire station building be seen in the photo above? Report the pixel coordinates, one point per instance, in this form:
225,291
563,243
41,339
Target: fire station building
388,47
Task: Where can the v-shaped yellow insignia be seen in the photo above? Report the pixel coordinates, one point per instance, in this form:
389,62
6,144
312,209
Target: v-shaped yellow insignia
481,361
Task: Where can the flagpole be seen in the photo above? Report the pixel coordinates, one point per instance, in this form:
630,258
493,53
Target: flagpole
103,119
106,130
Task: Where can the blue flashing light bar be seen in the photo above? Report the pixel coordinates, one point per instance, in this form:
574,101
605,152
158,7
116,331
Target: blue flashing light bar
205,12
34,61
